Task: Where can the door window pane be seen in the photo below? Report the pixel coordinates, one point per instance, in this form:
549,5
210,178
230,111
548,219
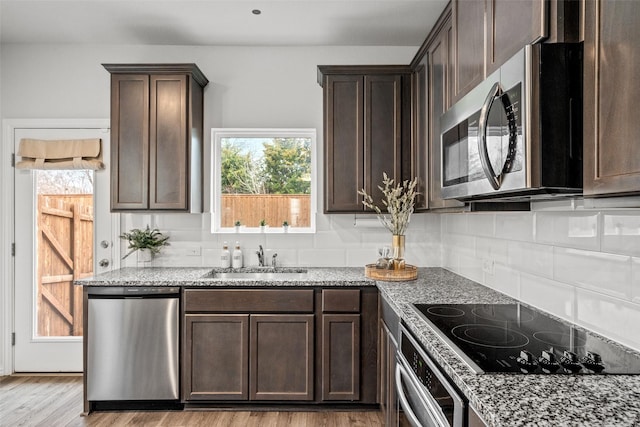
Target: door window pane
64,249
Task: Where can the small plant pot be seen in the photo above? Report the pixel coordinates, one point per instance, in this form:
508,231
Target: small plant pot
145,256
285,228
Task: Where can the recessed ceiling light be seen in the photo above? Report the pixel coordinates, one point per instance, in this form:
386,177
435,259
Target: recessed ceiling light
256,11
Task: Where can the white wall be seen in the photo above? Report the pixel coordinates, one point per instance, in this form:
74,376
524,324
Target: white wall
249,87
580,264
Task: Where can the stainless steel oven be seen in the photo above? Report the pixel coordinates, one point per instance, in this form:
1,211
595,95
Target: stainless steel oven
426,396
518,133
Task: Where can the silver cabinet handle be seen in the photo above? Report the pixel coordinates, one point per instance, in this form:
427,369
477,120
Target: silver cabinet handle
104,244
482,136
103,263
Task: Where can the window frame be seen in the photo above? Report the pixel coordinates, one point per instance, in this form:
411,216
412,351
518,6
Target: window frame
216,211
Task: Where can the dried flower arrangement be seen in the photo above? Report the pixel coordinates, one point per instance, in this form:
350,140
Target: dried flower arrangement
399,201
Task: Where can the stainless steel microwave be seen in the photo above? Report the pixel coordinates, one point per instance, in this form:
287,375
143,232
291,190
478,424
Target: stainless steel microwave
518,134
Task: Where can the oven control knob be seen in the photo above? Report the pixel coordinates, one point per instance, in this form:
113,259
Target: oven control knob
569,362
593,362
527,362
548,362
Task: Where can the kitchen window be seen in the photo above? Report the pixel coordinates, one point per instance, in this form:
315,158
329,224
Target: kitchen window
263,180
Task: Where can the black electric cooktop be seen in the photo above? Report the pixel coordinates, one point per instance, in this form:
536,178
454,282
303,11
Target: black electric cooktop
513,338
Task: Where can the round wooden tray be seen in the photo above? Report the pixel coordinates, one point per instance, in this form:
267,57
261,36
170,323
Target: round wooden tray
410,272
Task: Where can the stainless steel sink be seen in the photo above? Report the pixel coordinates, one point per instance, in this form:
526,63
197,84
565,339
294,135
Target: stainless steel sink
260,274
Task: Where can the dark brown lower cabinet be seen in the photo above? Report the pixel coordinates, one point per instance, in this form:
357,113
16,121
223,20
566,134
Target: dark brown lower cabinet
281,357
296,345
212,341
340,357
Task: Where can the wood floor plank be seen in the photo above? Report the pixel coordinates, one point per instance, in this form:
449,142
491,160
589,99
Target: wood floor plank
56,401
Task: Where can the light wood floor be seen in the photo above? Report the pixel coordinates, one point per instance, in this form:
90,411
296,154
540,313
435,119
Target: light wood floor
54,401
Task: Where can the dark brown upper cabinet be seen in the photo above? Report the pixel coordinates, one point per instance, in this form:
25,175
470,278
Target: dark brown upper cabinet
156,137
512,25
367,131
432,94
468,46
611,125
487,33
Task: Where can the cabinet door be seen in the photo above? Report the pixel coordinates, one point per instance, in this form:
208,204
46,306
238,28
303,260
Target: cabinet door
510,26
281,357
216,357
438,61
340,357
382,131
129,141
344,136
168,170
468,46
611,125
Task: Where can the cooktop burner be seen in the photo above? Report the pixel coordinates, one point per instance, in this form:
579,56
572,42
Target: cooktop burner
518,339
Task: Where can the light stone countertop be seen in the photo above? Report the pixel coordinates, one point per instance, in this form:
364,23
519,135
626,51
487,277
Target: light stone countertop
501,399
198,277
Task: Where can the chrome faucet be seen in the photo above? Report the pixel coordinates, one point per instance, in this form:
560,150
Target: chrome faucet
260,254
273,260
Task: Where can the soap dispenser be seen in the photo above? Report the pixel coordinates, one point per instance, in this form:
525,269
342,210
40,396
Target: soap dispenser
237,257
226,256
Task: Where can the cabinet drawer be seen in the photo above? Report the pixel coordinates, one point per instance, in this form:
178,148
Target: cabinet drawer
341,300
249,300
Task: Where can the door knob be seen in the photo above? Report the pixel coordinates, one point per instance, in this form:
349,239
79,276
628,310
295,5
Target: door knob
104,244
103,262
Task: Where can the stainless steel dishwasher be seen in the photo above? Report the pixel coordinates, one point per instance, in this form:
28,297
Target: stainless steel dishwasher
133,344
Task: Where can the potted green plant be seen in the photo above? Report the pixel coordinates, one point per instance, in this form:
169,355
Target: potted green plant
148,242
263,225
285,226
238,225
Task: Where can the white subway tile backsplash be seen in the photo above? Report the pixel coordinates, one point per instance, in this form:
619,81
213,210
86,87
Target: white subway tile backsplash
606,273
321,257
178,221
611,317
469,266
635,280
455,223
481,224
464,244
503,279
514,226
551,296
492,249
568,229
531,258
621,233
361,257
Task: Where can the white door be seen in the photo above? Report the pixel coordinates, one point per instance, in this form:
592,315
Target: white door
63,231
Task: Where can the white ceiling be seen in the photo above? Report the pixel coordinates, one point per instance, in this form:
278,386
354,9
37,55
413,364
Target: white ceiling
220,22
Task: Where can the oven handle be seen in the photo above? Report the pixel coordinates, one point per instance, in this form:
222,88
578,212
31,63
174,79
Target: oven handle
401,371
494,92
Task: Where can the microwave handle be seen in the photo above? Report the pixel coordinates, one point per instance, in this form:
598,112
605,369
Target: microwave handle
494,92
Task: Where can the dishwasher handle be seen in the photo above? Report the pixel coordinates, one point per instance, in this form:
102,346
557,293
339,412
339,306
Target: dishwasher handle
133,291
